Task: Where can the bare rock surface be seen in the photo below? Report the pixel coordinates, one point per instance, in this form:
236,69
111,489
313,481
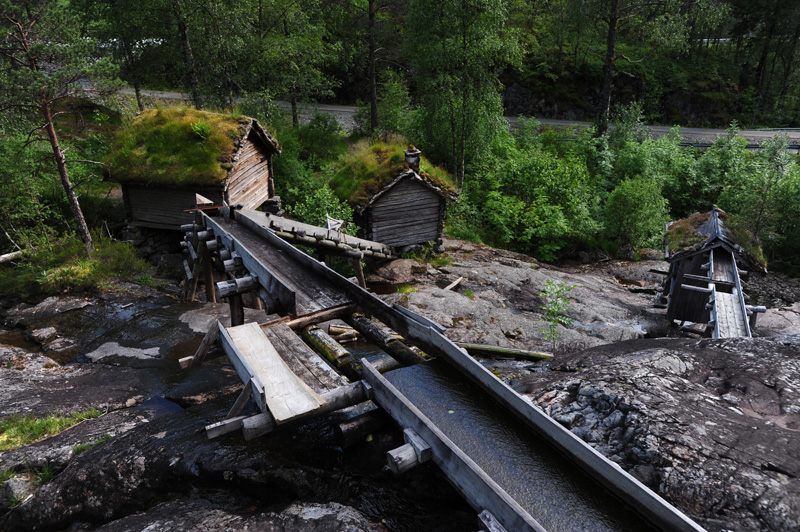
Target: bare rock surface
711,425
498,301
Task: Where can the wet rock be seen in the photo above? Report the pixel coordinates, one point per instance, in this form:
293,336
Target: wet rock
711,425
33,384
24,313
226,513
164,458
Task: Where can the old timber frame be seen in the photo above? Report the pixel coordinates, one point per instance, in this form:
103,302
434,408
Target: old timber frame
286,381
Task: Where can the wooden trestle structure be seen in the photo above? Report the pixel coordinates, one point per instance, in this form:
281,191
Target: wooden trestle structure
288,381
704,283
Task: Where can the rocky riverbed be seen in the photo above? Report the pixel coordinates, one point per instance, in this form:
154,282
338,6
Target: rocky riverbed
711,425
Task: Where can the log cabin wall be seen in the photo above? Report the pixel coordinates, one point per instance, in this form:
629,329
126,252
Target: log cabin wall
408,213
248,182
163,208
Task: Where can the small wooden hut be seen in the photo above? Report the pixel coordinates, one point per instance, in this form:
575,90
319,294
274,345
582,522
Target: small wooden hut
707,265
409,210
396,204
172,160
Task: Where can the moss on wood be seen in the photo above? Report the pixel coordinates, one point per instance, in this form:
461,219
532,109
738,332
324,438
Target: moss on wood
177,147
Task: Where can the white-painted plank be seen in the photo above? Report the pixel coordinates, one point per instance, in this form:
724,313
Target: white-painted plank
287,396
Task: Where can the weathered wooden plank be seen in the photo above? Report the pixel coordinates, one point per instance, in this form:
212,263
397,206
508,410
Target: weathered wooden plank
202,350
303,361
287,396
274,285
224,427
311,294
474,484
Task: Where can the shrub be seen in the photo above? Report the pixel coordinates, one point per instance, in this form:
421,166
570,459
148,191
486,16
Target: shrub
635,213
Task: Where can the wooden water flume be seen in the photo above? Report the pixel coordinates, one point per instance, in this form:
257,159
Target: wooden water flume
288,381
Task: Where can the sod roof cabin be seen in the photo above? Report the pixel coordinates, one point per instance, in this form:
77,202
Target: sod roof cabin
395,203
703,251
172,160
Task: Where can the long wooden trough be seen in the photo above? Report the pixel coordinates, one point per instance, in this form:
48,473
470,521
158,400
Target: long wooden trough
288,382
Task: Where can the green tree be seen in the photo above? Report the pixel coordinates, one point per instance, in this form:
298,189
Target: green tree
45,56
457,49
295,51
635,212
754,196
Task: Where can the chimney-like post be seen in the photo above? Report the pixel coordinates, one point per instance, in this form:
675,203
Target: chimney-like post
412,157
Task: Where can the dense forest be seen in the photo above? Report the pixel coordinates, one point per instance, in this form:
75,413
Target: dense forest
439,74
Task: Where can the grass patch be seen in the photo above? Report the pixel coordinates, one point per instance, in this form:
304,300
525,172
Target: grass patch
683,233
43,475
57,264
78,449
176,146
441,260
368,167
469,293
17,431
7,474
406,289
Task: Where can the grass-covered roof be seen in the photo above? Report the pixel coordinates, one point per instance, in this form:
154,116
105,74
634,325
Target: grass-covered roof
367,168
693,233
177,147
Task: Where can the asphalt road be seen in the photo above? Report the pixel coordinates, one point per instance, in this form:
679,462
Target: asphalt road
344,115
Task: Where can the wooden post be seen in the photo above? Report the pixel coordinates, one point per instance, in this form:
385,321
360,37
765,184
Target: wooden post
237,309
362,282
414,452
208,273
333,351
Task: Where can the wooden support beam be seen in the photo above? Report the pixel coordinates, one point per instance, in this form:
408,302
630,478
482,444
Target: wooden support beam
241,401
355,430
395,348
343,397
191,228
701,289
237,286
333,351
401,459
494,351
490,522
205,345
208,272
225,426
362,282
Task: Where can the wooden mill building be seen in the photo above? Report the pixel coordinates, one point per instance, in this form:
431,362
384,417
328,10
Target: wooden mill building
398,205
704,284
169,161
